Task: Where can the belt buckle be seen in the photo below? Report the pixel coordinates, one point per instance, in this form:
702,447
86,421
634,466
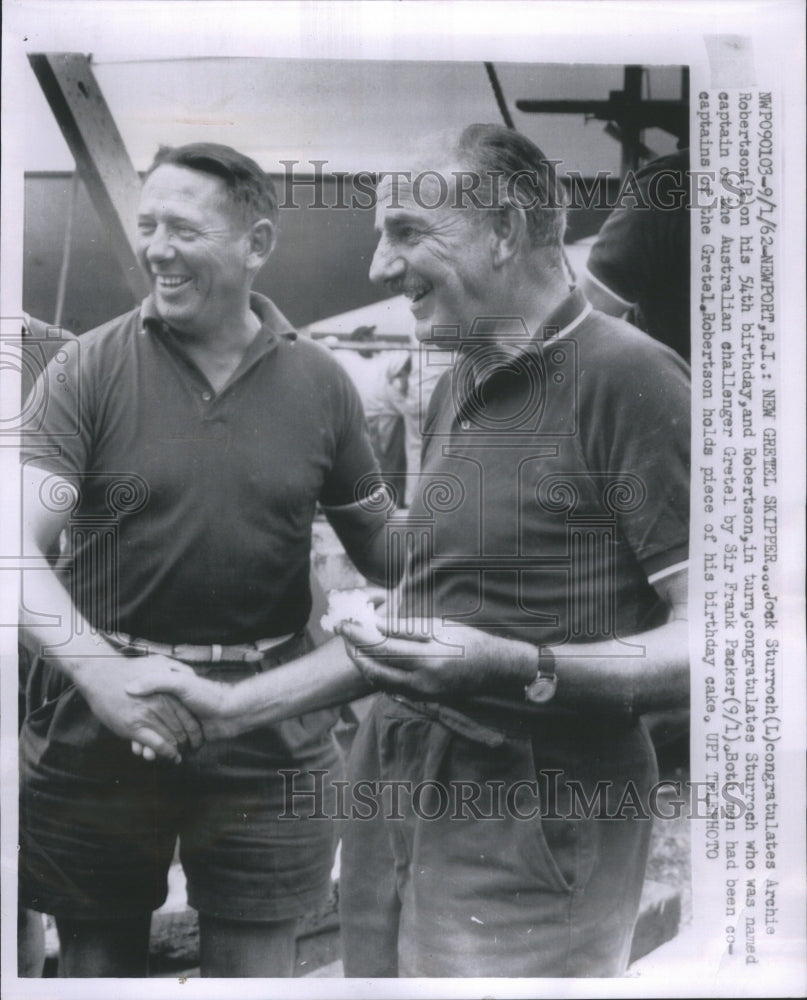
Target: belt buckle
191,654
128,645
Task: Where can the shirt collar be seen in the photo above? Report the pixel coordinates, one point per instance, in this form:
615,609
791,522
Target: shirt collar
273,323
560,323
567,317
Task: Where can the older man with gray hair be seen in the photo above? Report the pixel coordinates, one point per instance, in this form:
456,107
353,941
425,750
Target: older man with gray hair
546,611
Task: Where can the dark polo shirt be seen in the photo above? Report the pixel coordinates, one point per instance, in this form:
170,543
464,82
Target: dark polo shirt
557,484
194,519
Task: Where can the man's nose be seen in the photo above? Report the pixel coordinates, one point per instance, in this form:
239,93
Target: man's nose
386,263
158,245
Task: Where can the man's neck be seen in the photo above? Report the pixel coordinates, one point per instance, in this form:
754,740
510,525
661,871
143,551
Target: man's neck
218,355
530,311
545,299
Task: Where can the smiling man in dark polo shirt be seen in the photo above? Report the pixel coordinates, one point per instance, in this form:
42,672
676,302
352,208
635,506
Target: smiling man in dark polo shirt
556,454
184,447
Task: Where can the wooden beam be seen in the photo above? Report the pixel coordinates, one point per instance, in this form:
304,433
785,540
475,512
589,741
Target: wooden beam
83,115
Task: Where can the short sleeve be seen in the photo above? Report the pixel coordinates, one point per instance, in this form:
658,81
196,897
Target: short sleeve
354,466
58,424
641,436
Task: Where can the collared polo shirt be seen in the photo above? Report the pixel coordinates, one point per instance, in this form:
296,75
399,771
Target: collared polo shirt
194,516
557,486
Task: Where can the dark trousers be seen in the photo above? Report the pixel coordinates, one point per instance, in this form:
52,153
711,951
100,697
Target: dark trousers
437,885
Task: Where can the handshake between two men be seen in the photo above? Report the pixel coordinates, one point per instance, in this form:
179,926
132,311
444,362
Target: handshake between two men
172,708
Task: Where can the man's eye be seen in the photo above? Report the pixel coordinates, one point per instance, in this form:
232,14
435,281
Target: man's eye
185,232
146,228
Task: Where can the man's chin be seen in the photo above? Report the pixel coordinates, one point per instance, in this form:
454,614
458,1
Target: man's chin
437,335
177,319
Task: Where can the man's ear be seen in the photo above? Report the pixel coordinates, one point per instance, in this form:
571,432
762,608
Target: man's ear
261,243
509,224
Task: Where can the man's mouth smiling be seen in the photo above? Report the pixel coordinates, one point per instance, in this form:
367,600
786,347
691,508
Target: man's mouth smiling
416,293
170,281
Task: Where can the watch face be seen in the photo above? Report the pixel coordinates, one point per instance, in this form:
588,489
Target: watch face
541,690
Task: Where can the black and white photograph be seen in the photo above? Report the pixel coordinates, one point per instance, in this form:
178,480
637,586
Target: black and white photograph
403,487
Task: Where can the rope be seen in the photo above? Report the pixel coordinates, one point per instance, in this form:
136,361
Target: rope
497,93
66,250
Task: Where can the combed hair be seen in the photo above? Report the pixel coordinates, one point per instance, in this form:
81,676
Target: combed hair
523,176
251,191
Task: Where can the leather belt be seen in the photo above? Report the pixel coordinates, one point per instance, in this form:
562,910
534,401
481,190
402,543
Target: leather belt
491,720
250,652
488,728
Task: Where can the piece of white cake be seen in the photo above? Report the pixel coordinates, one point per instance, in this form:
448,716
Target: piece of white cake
348,605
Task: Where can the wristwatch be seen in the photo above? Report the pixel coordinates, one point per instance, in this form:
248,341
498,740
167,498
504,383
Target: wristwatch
543,688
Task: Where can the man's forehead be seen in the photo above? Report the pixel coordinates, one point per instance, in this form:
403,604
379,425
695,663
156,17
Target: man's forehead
420,187
184,184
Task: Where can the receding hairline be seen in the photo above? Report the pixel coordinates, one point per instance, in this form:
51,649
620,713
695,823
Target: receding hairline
449,154
186,168
246,186
445,150
437,150
437,153
222,192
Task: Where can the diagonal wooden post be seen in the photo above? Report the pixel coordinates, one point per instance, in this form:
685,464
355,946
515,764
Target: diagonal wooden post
83,115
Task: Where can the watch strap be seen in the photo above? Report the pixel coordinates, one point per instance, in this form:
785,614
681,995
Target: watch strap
543,688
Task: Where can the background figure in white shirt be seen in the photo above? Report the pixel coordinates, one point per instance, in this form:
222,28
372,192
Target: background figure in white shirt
374,372
409,390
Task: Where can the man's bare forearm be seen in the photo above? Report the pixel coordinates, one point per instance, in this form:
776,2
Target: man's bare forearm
51,626
67,637
49,621
640,673
101,673
648,672
321,679
643,673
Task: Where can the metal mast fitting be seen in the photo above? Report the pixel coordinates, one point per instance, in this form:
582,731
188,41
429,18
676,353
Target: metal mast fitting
628,114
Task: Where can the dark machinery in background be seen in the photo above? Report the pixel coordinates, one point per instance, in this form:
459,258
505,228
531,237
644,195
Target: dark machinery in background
626,113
